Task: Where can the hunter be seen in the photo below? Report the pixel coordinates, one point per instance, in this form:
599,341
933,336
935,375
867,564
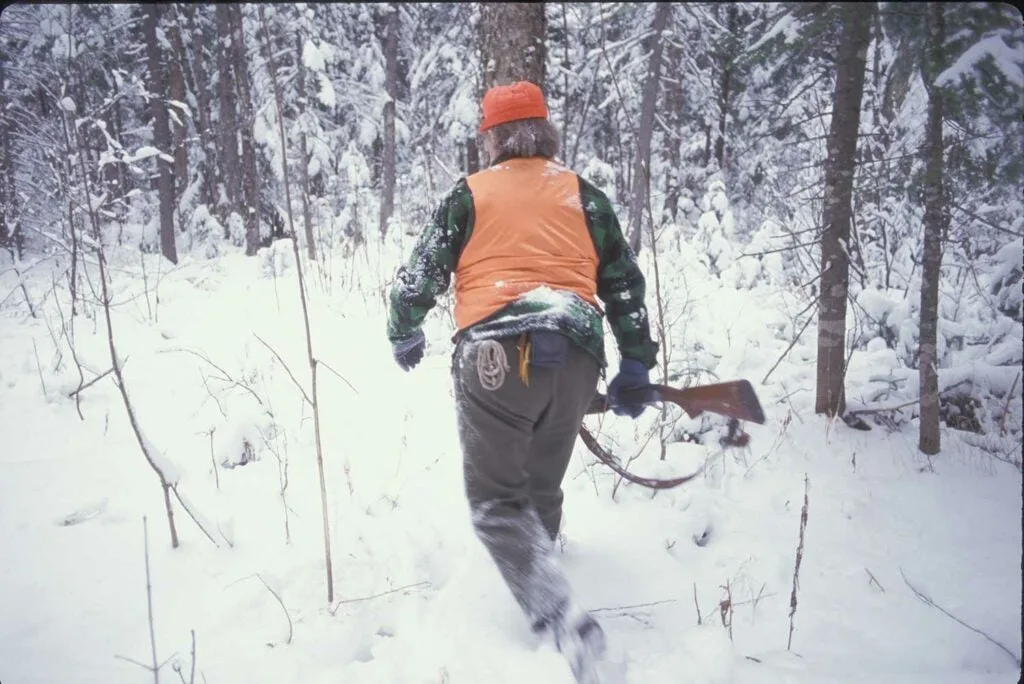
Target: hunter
532,247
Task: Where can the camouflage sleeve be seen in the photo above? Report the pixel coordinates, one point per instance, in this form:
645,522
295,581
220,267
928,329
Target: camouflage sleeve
427,273
620,283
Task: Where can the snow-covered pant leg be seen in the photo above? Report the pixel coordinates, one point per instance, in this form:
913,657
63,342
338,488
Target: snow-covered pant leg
555,435
501,458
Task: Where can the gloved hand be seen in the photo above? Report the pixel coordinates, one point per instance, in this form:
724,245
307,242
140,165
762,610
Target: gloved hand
409,352
632,376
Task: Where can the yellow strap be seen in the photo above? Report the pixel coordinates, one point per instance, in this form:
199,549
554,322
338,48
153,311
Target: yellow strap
524,359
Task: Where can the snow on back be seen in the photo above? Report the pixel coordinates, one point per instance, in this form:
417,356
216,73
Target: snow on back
559,300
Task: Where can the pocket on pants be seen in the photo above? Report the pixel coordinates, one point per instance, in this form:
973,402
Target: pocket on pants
548,349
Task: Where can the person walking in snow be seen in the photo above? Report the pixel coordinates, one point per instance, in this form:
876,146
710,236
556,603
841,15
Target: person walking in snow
532,247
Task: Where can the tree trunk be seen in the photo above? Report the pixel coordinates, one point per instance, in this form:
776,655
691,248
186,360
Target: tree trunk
161,132
935,220
641,185
250,194
673,106
228,171
179,128
7,190
837,213
387,198
725,86
512,43
198,79
472,156
307,218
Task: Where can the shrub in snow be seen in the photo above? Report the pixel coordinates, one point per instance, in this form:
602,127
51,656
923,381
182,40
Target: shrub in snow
204,232
601,175
276,259
1007,280
715,229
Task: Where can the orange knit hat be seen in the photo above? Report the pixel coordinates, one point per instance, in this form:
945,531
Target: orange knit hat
520,100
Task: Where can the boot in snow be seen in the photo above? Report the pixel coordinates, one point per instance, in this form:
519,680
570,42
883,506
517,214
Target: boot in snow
580,639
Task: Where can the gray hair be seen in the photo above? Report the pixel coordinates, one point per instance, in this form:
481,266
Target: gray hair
524,138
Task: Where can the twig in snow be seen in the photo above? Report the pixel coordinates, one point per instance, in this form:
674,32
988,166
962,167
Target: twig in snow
791,345
155,667
700,620
882,409
873,580
799,559
725,608
213,461
286,368
338,375
74,393
287,615
638,605
1006,406
177,666
149,600
195,518
39,367
334,609
227,376
927,599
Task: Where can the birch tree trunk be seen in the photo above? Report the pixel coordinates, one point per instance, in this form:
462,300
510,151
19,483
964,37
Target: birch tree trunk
935,220
387,198
837,213
161,132
641,185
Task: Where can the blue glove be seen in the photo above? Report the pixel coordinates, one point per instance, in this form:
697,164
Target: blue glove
409,352
632,376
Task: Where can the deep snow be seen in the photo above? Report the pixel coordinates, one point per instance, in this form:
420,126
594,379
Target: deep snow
73,493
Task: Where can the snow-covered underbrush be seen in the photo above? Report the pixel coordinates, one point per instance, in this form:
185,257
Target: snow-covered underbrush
692,584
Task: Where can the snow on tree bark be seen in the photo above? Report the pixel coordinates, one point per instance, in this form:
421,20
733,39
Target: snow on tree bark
161,131
935,222
641,165
227,170
512,43
250,195
837,213
387,197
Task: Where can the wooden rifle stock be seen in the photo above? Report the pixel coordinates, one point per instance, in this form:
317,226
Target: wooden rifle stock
734,399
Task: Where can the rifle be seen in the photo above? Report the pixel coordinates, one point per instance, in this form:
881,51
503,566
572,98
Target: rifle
735,400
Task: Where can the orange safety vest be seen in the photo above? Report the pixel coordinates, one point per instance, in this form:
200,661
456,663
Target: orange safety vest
529,231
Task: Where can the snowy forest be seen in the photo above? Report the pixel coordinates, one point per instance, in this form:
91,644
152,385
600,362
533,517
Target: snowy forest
212,471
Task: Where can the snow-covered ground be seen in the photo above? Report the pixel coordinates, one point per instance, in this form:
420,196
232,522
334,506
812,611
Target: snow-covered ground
416,598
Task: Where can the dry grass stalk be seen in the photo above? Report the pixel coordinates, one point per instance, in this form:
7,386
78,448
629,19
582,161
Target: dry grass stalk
799,559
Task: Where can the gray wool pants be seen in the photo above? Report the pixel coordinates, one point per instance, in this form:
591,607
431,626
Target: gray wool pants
517,440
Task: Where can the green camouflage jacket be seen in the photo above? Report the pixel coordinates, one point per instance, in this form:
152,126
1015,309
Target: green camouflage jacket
620,284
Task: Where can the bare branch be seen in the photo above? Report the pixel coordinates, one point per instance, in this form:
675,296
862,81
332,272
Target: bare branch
338,375
334,609
283,607
790,347
642,605
74,393
287,370
927,599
